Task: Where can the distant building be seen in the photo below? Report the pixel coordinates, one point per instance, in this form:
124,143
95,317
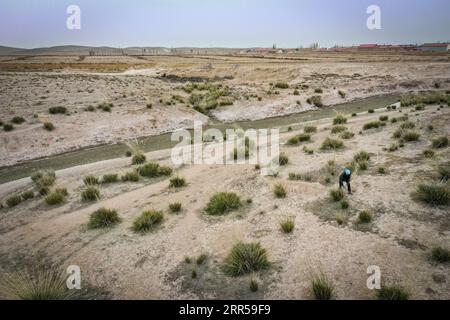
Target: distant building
367,47
435,47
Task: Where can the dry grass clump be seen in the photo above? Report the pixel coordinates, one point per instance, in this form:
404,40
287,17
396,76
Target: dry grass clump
287,225
410,136
364,217
55,110
152,170
90,180
338,129
132,176
440,254
346,135
103,218
222,203
322,287
444,172
177,182
44,178
48,126
337,194
175,207
332,144
90,194
310,129
441,142
110,178
279,191
392,292
245,258
339,119
147,220
138,158
372,125
434,194
57,196
13,200
316,101
428,153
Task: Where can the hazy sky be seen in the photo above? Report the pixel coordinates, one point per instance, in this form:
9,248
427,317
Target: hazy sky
221,23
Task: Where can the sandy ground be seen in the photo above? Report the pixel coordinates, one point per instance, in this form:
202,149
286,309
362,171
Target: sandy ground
31,85
151,266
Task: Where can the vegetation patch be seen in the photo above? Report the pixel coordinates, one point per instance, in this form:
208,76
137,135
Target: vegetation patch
148,220
103,218
222,203
245,258
90,194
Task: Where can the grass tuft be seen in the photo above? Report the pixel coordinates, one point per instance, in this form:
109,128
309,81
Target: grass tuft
103,218
245,258
440,254
322,288
222,203
337,194
175,207
433,194
147,220
90,194
393,292
287,225
177,182
279,191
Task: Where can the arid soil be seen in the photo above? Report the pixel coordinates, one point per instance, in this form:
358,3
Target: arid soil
129,265
148,97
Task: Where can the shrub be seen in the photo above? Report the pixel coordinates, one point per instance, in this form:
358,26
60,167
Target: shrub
308,150
339,119
435,194
194,273
340,219
39,283
287,225
440,254
371,125
283,159
303,137
90,194
363,165
153,170
292,141
13,201
410,136
128,153
441,142
444,172
55,197
147,220
393,292
27,195
105,106
48,126
370,111
55,110
408,125
383,118
341,93
245,258
330,143
322,288
18,120
381,170
398,134
44,178
354,114
222,203
344,204
177,182
364,217
253,285
361,156
279,191
310,129
315,100
90,180
346,135
338,129
130,176
296,92
337,194
281,85
138,158
175,207
110,178
428,153
201,258
103,218
8,127
318,90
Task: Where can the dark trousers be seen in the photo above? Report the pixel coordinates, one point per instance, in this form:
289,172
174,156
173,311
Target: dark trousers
347,181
